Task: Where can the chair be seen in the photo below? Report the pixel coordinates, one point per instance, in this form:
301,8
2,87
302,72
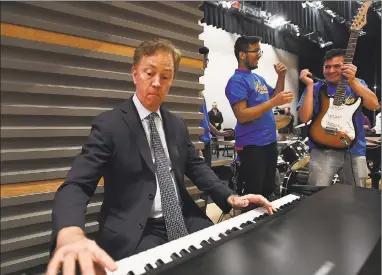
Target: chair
230,138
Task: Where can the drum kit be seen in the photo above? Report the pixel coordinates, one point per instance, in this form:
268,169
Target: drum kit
292,161
292,173
292,164
294,153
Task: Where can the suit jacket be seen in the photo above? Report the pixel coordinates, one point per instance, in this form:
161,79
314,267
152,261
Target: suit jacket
118,151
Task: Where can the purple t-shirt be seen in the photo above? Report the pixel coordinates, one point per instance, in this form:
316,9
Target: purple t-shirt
245,85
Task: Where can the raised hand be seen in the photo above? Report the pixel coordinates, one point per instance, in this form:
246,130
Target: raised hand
280,69
282,98
349,71
305,77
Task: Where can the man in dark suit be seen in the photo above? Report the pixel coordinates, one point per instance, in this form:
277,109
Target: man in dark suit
143,152
215,116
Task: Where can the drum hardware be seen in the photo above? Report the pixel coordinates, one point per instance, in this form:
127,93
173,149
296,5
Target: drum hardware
336,179
303,124
281,166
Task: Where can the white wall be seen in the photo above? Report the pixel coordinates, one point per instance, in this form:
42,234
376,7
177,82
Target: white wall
222,64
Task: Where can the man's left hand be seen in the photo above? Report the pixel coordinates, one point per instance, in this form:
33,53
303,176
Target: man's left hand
349,71
280,69
239,202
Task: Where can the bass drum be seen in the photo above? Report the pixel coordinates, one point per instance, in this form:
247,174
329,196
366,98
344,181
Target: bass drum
294,177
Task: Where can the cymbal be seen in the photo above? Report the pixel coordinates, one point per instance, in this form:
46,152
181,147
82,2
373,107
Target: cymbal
282,121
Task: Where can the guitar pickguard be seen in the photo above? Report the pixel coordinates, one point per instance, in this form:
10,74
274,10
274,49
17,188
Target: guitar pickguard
340,118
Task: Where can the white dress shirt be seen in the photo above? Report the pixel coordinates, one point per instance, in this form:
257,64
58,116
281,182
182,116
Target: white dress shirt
156,210
377,126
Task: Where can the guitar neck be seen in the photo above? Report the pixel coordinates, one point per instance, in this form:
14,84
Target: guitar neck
350,50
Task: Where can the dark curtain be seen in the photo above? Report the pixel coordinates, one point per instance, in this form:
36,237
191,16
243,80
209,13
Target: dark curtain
233,22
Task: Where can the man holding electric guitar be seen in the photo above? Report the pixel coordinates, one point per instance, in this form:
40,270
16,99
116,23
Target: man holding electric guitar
336,134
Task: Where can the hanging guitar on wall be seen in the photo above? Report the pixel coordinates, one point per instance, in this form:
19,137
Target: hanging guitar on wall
333,127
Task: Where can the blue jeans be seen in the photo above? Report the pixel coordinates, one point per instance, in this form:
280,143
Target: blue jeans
324,164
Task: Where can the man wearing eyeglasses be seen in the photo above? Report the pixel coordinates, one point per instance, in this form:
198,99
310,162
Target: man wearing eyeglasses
252,100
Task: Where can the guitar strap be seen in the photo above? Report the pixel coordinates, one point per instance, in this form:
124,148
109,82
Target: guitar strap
323,89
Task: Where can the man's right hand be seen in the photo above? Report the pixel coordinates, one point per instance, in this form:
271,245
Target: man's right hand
282,98
304,77
73,246
226,133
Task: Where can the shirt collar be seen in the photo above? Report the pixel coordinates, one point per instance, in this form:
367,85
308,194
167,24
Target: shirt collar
142,111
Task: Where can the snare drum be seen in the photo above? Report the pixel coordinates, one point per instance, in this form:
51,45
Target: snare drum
296,154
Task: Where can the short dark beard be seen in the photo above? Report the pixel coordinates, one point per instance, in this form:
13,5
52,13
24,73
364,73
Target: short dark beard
248,65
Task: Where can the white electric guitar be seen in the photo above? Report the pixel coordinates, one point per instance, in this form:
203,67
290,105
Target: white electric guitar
333,127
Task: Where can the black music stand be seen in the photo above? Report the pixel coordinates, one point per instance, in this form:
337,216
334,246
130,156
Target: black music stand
233,183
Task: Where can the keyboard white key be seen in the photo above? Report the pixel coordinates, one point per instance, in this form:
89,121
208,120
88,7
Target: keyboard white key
137,263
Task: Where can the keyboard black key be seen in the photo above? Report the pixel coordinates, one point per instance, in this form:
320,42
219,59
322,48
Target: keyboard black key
210,240
159,263
130,273
149,267
174,256
204,243
221,235
192,248
235,229
184,252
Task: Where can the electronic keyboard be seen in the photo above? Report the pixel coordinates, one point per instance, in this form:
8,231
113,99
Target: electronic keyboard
161,255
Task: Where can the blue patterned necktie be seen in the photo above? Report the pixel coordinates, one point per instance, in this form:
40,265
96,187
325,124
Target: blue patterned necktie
172,213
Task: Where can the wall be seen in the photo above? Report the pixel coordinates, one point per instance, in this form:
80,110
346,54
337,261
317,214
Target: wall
222,63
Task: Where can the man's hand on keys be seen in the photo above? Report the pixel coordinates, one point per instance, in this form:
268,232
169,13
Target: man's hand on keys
72,247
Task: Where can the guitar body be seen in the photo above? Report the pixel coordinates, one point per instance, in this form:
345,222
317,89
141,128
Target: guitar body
334,126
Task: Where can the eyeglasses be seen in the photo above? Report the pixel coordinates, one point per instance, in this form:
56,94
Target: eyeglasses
256,51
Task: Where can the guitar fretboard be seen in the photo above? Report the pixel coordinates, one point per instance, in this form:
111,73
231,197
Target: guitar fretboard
341,88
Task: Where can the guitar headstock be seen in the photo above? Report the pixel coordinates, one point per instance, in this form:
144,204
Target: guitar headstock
360,19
